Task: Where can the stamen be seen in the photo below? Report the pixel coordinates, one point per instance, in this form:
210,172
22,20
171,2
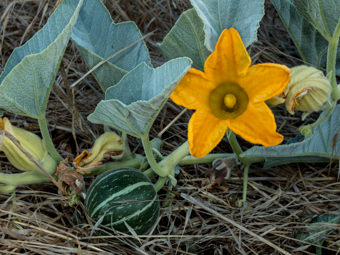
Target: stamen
230,100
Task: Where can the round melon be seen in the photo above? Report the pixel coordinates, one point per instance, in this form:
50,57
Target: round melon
123,196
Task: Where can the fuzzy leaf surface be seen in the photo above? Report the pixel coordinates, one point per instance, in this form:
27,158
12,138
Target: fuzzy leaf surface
97,37
186,39
29,73
309,42
133,104
323,146
217,15
324,15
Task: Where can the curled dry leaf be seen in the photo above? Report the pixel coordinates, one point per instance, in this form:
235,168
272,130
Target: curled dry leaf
70,178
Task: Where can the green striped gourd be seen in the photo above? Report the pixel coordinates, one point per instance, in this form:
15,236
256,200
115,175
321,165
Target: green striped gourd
123,196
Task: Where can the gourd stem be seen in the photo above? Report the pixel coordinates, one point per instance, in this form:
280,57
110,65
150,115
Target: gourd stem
47,139
151,159
160,183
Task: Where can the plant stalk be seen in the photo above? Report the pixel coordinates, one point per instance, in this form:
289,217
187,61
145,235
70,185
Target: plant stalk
175,157
190,160
242,202
234,143
331,61
133,162
151,159
47,139
160,183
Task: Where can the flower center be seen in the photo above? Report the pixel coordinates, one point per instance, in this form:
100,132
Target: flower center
228,101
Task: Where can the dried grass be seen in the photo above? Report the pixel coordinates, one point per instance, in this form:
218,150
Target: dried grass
201,219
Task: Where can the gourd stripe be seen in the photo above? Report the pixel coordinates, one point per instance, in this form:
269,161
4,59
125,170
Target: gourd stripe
124,191
136,213
100,181
146,223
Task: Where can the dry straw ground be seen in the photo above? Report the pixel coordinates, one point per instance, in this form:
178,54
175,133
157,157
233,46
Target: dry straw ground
201,219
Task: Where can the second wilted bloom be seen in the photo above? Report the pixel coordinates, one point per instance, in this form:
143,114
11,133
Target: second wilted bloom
308,91
108,145
31,143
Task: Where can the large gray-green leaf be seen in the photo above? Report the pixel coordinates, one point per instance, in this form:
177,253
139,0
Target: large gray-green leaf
186,39
324,15
134,103
217,15
97,37
311,45
309,42
324,145
30,71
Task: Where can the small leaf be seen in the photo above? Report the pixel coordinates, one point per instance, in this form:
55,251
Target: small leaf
97,37
217,15
133,104
324,15
186,39
321,147
316,232
30,71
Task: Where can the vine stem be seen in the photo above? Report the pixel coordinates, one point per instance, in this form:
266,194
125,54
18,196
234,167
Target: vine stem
331,61
234,143
175,157
23,178
47,139
190,160
241,202
330,110
135,162
151,159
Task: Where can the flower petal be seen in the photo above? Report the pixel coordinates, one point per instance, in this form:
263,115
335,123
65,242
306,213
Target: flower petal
230,60
205,131
193,90
257,125
264,81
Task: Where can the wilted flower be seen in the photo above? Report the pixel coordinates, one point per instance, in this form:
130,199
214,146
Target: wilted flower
108,145
30,143
308,90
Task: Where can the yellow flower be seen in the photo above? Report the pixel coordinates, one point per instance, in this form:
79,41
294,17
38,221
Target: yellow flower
29,142
230,94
